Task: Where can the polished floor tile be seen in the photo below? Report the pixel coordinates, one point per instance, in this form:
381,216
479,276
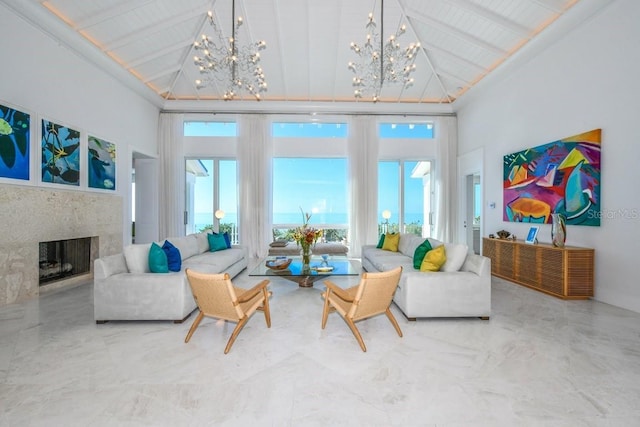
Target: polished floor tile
537,361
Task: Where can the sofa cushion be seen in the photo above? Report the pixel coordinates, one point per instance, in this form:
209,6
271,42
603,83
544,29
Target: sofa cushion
158,259
227,239
408,243
216,242
391,241
380,241
420,252
456,254
203,242
137,257
174,260
187,245
215,262
434,259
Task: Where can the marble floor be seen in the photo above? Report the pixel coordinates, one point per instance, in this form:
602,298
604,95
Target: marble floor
538,361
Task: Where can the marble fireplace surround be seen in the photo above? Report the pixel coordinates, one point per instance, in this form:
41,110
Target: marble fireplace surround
30,215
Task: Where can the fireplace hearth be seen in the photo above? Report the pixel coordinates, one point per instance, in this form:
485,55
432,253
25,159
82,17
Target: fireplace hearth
63,259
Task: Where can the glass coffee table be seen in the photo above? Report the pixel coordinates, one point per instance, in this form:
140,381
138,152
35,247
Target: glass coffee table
335,266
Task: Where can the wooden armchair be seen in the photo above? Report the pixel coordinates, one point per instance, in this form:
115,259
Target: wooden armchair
372,296
217,297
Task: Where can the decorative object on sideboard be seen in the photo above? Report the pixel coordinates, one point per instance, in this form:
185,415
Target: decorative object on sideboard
503,234
558,230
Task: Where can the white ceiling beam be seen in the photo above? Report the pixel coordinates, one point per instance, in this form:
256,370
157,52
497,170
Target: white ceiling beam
153,29
448,29
491,16
424,52
159,53
164,72
121,9
453,56
551,5
451,76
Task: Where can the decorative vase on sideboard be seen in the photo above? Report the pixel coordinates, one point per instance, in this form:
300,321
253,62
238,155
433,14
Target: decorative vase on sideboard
558,230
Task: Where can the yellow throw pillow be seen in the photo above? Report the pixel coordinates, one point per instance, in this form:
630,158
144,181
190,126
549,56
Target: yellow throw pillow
391,241
434,259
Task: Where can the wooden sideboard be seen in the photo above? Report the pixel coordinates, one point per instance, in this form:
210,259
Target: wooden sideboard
562,272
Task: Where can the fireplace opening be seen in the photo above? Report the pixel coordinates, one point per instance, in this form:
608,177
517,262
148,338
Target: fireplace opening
62,259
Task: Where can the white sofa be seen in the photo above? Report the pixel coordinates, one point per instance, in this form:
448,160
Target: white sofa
125,288
462,287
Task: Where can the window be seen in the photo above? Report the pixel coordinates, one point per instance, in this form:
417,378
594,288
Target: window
309,130
406,130
315,186
193,128
211,189
404,190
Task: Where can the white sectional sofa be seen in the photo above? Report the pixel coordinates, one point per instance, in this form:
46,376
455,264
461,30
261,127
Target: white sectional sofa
462,287
125,288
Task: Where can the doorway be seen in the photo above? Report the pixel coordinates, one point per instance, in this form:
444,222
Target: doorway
470,201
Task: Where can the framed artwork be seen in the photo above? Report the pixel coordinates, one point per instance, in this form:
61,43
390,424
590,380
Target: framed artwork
15,134
102,164
60,154
559,177
532,235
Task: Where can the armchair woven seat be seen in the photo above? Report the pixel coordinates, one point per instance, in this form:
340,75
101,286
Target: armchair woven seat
217,297
371,297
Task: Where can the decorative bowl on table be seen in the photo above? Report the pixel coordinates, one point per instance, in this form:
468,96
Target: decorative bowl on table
278,263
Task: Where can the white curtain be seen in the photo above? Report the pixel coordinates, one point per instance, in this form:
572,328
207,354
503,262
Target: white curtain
255,153
445,178
171,188
363,183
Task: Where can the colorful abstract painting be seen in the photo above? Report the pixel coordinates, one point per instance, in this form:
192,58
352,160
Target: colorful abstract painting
559,177
15,130
60,154
102,164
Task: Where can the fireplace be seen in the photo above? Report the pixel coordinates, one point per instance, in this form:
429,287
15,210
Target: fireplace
63,259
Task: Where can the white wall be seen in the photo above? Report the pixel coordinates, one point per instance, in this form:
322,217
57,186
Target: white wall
587,80
50,81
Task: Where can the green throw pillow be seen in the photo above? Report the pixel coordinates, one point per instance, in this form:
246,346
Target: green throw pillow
216,242
420,252
158,259
380,242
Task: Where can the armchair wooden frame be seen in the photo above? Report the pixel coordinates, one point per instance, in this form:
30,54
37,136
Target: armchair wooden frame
217,297
372,296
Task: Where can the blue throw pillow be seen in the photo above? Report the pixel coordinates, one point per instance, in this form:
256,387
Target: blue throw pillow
157,259
227,239
380,242
216,242
173,256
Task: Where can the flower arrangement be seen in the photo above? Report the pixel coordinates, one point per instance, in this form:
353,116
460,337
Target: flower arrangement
304,235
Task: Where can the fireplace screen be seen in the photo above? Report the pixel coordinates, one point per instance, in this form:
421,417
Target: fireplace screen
61,259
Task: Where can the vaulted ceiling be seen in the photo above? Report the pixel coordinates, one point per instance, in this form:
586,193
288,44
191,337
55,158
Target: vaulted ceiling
462,41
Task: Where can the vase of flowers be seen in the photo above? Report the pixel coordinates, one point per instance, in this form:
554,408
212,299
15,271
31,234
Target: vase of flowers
305,237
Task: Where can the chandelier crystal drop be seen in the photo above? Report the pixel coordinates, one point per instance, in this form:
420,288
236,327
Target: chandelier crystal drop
381,62
224,62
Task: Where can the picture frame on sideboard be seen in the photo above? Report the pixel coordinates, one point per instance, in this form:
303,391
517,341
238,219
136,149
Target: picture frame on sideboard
532,235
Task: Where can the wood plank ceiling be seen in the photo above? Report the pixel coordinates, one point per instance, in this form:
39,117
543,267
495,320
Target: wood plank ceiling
308,41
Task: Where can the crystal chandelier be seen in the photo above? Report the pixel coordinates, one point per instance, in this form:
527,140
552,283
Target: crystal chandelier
226,63
381,63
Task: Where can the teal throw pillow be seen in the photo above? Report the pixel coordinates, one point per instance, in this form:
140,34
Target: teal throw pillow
380,242
216,242
173,256
158,259
420,252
